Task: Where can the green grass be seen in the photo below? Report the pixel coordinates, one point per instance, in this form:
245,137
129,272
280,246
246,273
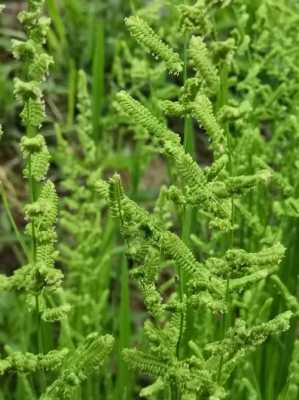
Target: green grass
149,200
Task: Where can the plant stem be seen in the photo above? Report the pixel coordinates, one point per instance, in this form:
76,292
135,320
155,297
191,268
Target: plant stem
187,213
226,320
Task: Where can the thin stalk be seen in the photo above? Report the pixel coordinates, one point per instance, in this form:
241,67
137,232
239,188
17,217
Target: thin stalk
174,395
187,216
123,376
72,82
57,20
33,189
135,169
98,74
123,385
226,320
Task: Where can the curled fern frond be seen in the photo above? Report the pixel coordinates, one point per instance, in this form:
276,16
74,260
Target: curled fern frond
56,313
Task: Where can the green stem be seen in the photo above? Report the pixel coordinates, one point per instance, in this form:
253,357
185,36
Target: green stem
123,385
188,212
226,320
33,197
30,132
72,83
98,79
123,376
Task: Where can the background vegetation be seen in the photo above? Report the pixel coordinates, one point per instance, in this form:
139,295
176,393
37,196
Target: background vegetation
149,199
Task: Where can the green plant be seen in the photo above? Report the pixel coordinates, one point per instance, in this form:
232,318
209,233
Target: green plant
156,216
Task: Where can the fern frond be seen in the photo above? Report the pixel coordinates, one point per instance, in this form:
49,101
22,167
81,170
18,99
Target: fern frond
86,359
175,248
190,173
49,200
172,108
18,362
193,18
145,35
56,313
203,113
202,62
137,360
238,262
140,115
243,340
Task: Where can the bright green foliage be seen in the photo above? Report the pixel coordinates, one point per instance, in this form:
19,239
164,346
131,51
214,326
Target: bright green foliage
39,274
79,365
29,363
173,220
56,313
39,279
203,112
291,389
205,288
36,156
143,33
202,63
84,119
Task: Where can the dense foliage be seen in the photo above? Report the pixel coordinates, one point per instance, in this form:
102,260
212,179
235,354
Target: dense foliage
150,200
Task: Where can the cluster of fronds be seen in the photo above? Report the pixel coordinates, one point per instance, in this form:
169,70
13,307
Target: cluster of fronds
207,89
39,279
81,217
214,286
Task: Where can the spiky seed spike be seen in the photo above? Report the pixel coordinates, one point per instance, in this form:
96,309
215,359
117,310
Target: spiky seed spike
203,112
172,108
179,252
138,360
145,35
140,115
102,188
202,62
191,174
39,274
